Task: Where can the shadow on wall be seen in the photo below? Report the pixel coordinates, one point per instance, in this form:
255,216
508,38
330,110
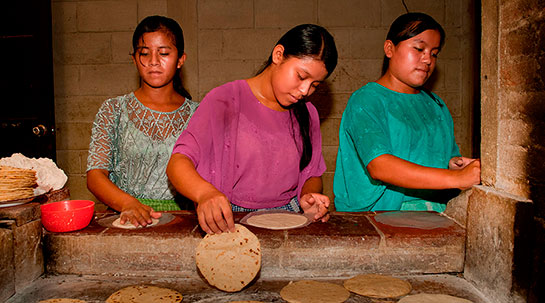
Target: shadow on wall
323,101
535,111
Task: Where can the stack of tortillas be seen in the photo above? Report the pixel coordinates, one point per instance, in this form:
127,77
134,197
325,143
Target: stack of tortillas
16,183
432,298
230,260
378,286
145,294
306,291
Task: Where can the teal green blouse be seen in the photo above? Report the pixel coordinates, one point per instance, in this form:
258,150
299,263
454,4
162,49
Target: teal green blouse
378,121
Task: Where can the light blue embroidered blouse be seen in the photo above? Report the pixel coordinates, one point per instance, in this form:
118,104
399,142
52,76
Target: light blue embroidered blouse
134,143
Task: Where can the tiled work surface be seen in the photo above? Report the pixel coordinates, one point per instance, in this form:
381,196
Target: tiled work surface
95,289
346,245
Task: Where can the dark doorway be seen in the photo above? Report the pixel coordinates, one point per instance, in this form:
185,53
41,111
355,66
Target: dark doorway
27,122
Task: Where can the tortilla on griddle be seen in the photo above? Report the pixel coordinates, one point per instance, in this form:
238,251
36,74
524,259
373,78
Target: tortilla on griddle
62,300
229,261
432,298
307,291
145,294
378,286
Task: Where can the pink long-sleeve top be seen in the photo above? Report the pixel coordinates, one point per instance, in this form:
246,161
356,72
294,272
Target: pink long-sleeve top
248,151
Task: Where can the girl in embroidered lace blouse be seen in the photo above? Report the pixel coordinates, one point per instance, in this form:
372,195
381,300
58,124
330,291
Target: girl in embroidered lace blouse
133,135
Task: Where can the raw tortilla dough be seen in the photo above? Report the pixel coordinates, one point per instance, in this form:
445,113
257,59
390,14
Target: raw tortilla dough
306,291
378,286
277,220
432,298
62,300
145,294
230,260
129,225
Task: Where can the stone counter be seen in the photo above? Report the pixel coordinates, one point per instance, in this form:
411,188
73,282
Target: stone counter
349,243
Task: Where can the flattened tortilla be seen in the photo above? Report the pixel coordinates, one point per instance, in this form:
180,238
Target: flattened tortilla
62,300
229,261
145,294
276,221
306,291
378,286
129,225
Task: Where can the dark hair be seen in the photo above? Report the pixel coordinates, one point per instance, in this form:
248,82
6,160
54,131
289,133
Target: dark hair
409,25
307,40
152,24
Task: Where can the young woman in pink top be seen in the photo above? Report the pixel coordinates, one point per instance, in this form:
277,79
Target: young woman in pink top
255,144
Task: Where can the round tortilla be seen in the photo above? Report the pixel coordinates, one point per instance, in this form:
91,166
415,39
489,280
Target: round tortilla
432,298
129,225
62,300
378,286
145,294
306,291
277,221
229,261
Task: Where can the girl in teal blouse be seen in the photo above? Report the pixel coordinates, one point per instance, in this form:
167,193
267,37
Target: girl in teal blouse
396,142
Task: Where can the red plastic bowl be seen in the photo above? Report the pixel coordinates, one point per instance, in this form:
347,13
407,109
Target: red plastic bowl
68,215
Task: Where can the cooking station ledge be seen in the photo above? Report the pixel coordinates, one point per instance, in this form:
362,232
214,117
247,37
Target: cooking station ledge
348,244
96,261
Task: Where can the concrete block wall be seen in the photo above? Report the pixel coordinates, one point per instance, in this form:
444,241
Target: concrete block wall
506,216
228,40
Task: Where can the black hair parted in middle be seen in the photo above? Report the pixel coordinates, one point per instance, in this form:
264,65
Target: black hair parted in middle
307,40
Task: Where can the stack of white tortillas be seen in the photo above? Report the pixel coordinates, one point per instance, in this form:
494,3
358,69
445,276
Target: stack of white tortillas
276,220
145,294
16,183
62,300
378,286
432,298
306,291
128,224
229,261
49,176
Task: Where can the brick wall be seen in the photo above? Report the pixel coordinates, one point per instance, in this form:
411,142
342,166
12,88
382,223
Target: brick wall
228,40
509,265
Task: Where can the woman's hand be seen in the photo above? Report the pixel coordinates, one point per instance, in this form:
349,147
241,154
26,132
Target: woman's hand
470,174
215,214
315,204
137,213
213,207
459,162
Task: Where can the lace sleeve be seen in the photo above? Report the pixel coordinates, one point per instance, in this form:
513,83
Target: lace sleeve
102,146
